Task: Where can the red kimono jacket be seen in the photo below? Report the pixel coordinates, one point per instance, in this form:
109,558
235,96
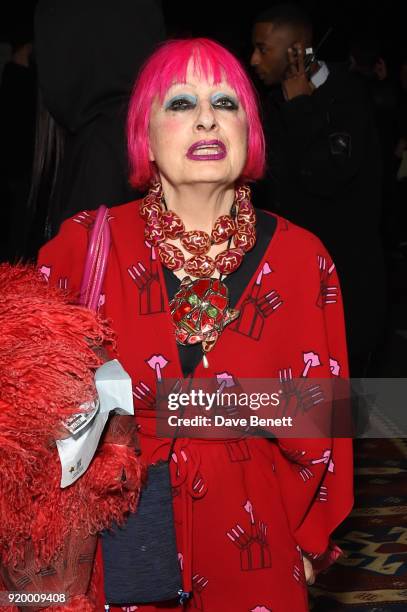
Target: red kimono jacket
244,509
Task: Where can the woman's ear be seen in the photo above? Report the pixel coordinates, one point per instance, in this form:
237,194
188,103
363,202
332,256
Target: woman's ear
150,153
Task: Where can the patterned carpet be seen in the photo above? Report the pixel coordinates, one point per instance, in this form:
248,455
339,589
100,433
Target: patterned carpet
373,576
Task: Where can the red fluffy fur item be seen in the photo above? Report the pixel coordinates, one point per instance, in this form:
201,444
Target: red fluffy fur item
47,366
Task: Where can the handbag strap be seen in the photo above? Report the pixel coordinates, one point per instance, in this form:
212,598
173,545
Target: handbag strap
95,269
96,260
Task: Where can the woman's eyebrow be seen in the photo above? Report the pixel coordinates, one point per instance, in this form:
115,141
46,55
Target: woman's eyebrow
178,84
218,94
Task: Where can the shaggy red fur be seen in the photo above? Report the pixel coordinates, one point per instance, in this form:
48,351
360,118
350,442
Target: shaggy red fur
47,366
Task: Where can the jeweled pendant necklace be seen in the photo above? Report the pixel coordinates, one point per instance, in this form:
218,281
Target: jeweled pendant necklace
200,308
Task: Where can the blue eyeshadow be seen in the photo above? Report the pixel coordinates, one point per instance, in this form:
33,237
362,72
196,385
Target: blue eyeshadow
220,95
189,97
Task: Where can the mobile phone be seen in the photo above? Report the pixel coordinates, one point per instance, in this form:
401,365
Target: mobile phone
309,58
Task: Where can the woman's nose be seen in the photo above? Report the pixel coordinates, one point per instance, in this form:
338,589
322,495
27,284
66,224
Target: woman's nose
206,119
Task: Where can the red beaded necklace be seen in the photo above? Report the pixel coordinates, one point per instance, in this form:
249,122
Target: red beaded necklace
162,224
200,308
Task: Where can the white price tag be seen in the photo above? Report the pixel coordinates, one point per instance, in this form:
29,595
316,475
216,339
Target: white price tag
76,452
78,421
114,389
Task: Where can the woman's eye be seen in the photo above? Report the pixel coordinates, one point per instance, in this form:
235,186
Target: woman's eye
180,104
225,102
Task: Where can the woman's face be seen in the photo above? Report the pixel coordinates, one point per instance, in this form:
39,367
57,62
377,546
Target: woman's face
198,134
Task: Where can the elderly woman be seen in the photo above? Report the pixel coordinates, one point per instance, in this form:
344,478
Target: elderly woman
250,513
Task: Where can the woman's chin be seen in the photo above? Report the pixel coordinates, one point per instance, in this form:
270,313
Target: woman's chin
210,173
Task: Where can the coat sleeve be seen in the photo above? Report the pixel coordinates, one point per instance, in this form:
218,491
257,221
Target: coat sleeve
316,475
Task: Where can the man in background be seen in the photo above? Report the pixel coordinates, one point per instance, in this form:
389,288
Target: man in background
324,169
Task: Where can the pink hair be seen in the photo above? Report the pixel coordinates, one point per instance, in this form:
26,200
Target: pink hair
168,65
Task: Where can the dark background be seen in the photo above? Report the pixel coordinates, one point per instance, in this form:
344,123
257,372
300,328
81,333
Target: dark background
230,22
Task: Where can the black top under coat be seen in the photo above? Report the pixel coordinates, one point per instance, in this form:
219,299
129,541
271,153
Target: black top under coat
190,356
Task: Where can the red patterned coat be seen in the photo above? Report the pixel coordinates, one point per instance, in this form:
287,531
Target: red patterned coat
245,508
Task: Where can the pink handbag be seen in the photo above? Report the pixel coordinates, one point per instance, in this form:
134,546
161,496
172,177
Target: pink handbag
96,260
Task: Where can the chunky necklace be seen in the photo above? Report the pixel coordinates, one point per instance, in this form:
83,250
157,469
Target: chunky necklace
200,307
162,224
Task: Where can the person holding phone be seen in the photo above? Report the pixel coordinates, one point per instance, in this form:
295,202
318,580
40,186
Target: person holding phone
324,170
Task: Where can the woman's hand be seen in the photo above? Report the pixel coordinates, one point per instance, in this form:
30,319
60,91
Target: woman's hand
309,570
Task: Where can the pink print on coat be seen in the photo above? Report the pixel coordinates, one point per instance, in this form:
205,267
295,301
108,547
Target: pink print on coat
311,360
151,297
46,272
328,293
299,463
322,494
326,458
302,465
144,394
102,300
226,380
334,366
85,219
261,609
253,544
157,363
180,459
181,561
199,583
187,471
300,394
298,570
256,309
63,283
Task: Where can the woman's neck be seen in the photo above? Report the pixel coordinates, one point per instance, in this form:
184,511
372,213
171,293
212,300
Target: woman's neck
199,205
